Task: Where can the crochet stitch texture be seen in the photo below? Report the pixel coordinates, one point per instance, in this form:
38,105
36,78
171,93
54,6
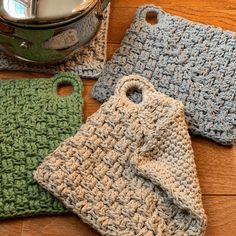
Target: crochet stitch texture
88,61
191,62
130,169
34,120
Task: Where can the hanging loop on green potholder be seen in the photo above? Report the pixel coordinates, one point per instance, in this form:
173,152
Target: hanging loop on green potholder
63,79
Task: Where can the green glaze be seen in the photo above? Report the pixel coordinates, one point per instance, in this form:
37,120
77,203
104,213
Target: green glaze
34,120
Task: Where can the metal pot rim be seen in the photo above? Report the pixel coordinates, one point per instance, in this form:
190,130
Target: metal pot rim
45,22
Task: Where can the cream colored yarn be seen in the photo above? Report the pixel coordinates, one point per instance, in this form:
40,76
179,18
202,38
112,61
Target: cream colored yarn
130,169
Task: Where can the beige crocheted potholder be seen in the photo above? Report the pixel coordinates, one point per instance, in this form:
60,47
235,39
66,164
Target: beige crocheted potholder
130,169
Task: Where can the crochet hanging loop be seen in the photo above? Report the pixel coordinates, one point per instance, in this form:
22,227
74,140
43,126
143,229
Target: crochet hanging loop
134,83
151,11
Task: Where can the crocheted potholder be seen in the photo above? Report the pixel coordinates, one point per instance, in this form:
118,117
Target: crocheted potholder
191,62
34,120
88,61
130,169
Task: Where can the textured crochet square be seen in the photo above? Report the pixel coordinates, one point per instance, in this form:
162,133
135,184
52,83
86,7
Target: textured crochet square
130,169
88,61
191,62
34,120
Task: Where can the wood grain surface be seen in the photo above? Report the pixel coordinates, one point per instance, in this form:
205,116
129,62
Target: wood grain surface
216,164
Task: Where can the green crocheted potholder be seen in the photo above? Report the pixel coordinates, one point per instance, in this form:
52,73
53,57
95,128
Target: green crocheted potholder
34,120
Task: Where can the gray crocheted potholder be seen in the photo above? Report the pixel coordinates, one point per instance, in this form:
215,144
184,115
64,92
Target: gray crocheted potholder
88,61
191,62
130,170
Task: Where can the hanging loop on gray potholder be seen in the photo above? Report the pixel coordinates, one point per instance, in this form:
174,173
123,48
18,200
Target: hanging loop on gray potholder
191,62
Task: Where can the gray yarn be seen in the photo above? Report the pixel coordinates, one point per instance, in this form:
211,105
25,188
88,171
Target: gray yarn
191,62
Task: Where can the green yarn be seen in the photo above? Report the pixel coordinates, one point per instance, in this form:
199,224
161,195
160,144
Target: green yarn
34,120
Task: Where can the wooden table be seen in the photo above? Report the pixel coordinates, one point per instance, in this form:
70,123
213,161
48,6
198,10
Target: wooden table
216,164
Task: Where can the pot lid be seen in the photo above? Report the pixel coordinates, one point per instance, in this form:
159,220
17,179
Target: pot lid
43,12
